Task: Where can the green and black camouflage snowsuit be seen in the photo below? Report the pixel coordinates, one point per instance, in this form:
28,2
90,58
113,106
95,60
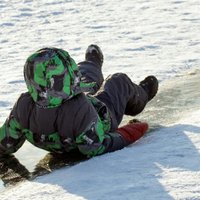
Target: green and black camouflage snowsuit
62,111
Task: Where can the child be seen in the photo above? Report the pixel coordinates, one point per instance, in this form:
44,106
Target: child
62,110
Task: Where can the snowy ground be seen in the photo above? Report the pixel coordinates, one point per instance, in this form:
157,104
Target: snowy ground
138,37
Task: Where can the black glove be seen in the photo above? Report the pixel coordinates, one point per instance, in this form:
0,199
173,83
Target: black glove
11,170
4,159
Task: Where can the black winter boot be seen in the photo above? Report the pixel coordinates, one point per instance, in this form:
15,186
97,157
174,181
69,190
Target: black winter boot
94,54
150,85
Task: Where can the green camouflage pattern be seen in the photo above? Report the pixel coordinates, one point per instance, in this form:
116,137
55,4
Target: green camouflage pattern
52,76
12,137
104,115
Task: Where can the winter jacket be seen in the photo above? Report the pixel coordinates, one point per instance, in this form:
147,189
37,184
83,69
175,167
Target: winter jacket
58,113
74,124
73,119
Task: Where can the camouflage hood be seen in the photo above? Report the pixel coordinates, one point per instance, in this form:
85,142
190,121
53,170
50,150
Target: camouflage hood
52,76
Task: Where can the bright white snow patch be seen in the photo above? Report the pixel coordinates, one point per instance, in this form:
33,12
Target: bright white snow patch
140,38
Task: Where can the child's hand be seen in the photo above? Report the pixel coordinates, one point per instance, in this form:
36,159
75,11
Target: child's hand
4,157
3,163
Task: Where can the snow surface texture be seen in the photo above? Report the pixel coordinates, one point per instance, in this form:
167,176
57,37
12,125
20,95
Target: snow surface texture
139,38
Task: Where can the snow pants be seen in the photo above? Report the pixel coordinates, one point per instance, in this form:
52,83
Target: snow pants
118,93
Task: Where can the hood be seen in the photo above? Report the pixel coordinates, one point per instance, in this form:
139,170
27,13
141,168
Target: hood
52,76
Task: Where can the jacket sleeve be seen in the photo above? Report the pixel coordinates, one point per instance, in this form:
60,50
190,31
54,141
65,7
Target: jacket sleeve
91,138
11,136
93,141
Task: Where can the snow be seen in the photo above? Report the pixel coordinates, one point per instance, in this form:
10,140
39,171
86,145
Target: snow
139,38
